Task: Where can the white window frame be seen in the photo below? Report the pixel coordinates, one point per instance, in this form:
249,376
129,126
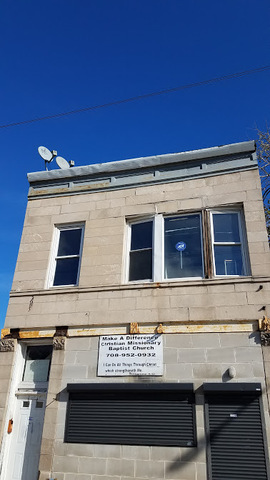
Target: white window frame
158,267
242,243
54,257
158,261
129,225
181,279
23,384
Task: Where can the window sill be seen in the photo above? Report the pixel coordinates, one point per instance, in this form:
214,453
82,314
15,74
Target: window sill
193,281
31,388
52,287
144,285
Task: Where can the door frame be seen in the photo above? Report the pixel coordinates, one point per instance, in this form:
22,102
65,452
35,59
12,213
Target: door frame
16,384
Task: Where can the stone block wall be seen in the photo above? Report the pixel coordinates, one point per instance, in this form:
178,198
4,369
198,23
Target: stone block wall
195,358
105,224
6,370
203,300
103,291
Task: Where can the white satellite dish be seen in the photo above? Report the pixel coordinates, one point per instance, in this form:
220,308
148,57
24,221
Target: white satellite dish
45,153
62,163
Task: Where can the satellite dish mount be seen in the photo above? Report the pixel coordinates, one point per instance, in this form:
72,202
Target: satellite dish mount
47,155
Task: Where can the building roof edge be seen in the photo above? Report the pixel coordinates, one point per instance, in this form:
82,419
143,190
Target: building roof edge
143,162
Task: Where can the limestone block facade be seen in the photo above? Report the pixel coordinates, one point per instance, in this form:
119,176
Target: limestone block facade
172,247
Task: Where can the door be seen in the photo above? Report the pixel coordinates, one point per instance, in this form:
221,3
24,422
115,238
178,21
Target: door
26,438
236,446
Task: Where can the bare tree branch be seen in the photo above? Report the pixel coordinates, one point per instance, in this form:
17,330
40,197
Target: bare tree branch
263,152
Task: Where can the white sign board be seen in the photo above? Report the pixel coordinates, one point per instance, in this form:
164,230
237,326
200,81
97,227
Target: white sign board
125,355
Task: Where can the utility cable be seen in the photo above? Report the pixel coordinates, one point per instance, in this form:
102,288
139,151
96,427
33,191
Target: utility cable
139,97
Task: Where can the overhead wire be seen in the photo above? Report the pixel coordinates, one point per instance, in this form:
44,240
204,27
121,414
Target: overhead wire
139,97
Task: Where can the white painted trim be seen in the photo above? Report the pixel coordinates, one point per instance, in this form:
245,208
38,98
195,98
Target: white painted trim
242,243
16,382
16,375
158,272
53,253
128,243
129,225
158,248
180,279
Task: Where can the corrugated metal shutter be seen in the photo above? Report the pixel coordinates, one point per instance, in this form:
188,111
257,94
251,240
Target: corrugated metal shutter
131,417
236,441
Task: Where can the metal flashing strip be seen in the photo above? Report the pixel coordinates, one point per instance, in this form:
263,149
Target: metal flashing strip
130,182
242,148
144,171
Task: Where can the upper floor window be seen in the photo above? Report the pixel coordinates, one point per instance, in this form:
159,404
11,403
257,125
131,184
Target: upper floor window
140,256
227,240
66,256
183,246
196,245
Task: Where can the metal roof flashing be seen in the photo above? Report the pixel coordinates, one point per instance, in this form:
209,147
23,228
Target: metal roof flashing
144,170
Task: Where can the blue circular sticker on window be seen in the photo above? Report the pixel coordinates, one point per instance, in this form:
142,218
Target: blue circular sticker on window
180,246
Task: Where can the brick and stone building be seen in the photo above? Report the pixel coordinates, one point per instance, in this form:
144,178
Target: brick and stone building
136,338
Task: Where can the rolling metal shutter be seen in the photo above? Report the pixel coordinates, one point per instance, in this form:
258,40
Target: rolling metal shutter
131,416
236,449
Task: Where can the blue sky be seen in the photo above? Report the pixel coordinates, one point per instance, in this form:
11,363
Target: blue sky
61,55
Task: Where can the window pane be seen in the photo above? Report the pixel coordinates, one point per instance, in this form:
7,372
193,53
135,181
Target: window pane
140,267
37,364
69,242
66,271
39,352
226,228
228,260
187,262
36,371
141,235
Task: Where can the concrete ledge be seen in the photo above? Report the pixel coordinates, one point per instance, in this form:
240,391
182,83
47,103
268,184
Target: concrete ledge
141,328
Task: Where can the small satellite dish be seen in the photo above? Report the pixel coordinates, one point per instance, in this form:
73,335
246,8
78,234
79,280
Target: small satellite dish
45,153
62,163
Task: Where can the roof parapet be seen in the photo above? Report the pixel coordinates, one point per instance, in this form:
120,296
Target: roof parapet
144,170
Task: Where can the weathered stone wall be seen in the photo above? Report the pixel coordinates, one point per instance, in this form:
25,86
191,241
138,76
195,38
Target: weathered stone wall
103,295
231,299
6,366
193,358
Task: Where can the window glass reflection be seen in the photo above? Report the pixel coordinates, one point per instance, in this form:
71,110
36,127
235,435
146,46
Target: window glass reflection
69,242
66,271
141,235
226,228
183,250
228,259
37,364
140,260
140,265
